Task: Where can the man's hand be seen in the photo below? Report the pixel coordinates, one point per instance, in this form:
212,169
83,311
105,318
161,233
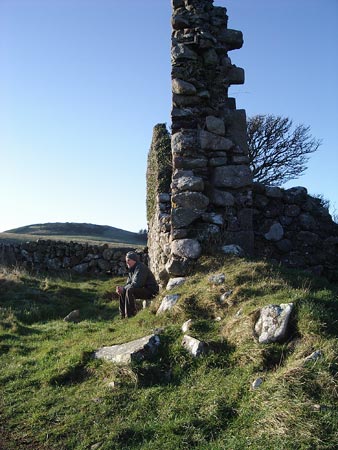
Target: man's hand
119,290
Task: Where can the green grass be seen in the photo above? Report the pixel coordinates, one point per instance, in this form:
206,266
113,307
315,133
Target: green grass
56,396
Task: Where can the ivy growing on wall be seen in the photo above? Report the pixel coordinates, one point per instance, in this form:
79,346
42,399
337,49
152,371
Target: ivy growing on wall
159,167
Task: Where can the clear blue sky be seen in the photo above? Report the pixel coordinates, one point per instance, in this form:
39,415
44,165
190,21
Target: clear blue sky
83,82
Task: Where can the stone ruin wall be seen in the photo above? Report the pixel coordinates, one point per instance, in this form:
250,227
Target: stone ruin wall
49,255
295,229
211,198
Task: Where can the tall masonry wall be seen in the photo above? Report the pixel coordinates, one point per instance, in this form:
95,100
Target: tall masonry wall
211,189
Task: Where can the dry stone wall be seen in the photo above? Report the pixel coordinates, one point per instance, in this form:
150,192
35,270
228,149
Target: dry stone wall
295,229
48,255
211,184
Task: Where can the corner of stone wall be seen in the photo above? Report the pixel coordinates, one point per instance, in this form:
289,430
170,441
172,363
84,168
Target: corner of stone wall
159,172
211,185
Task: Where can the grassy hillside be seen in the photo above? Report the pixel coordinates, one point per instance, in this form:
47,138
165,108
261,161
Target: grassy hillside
55,396
73,232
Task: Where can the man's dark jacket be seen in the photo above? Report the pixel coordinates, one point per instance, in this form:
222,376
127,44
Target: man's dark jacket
140,276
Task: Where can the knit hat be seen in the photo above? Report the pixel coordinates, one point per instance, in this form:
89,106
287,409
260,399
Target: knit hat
133,255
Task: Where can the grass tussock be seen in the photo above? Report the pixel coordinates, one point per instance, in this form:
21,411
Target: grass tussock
56,396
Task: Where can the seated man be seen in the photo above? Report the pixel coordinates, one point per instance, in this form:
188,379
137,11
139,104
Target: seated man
141,283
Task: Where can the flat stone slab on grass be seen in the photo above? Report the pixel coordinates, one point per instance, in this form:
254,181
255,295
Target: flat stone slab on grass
272,325
134,350
193,345
168,302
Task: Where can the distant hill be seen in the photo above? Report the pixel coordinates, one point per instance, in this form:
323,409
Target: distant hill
80,232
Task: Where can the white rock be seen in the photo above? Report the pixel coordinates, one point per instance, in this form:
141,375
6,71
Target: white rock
175,282
168,302
186,248
272,323
194,346
314,356
225,295
275,233
233,249
257,383
186,325
134,350
217,279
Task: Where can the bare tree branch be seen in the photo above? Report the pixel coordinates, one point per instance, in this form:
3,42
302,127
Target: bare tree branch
277,151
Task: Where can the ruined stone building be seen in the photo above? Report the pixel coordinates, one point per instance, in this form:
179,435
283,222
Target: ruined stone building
200,195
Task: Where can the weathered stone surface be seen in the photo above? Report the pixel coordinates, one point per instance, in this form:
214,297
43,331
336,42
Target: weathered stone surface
219,161
186,248
175,282
73,316
235,75
183,141
295,195
177,267
272,325
215,218
274,192
275,233
313,357
191,200
135,350
213,142
194,346
182,217
183,52
210,57
81,268
233,249
168,302
284,245
189,183
232,176
186,326
215,125
204,231
222,198
292,210
307,222
232,38
183,87
255,384
308,238
219,278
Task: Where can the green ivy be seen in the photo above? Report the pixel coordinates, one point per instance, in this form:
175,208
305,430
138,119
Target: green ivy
159,167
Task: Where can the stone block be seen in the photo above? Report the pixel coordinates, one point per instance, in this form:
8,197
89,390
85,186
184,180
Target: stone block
236,75
232,176
213,142
189,183
181,52
222,198
275,233
134,350
183,87
233,39
186,248
187,199
168,302
193,346
215,125
182,217
272,325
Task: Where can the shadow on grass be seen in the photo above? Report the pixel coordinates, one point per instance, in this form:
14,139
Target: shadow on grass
73,375
29,303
